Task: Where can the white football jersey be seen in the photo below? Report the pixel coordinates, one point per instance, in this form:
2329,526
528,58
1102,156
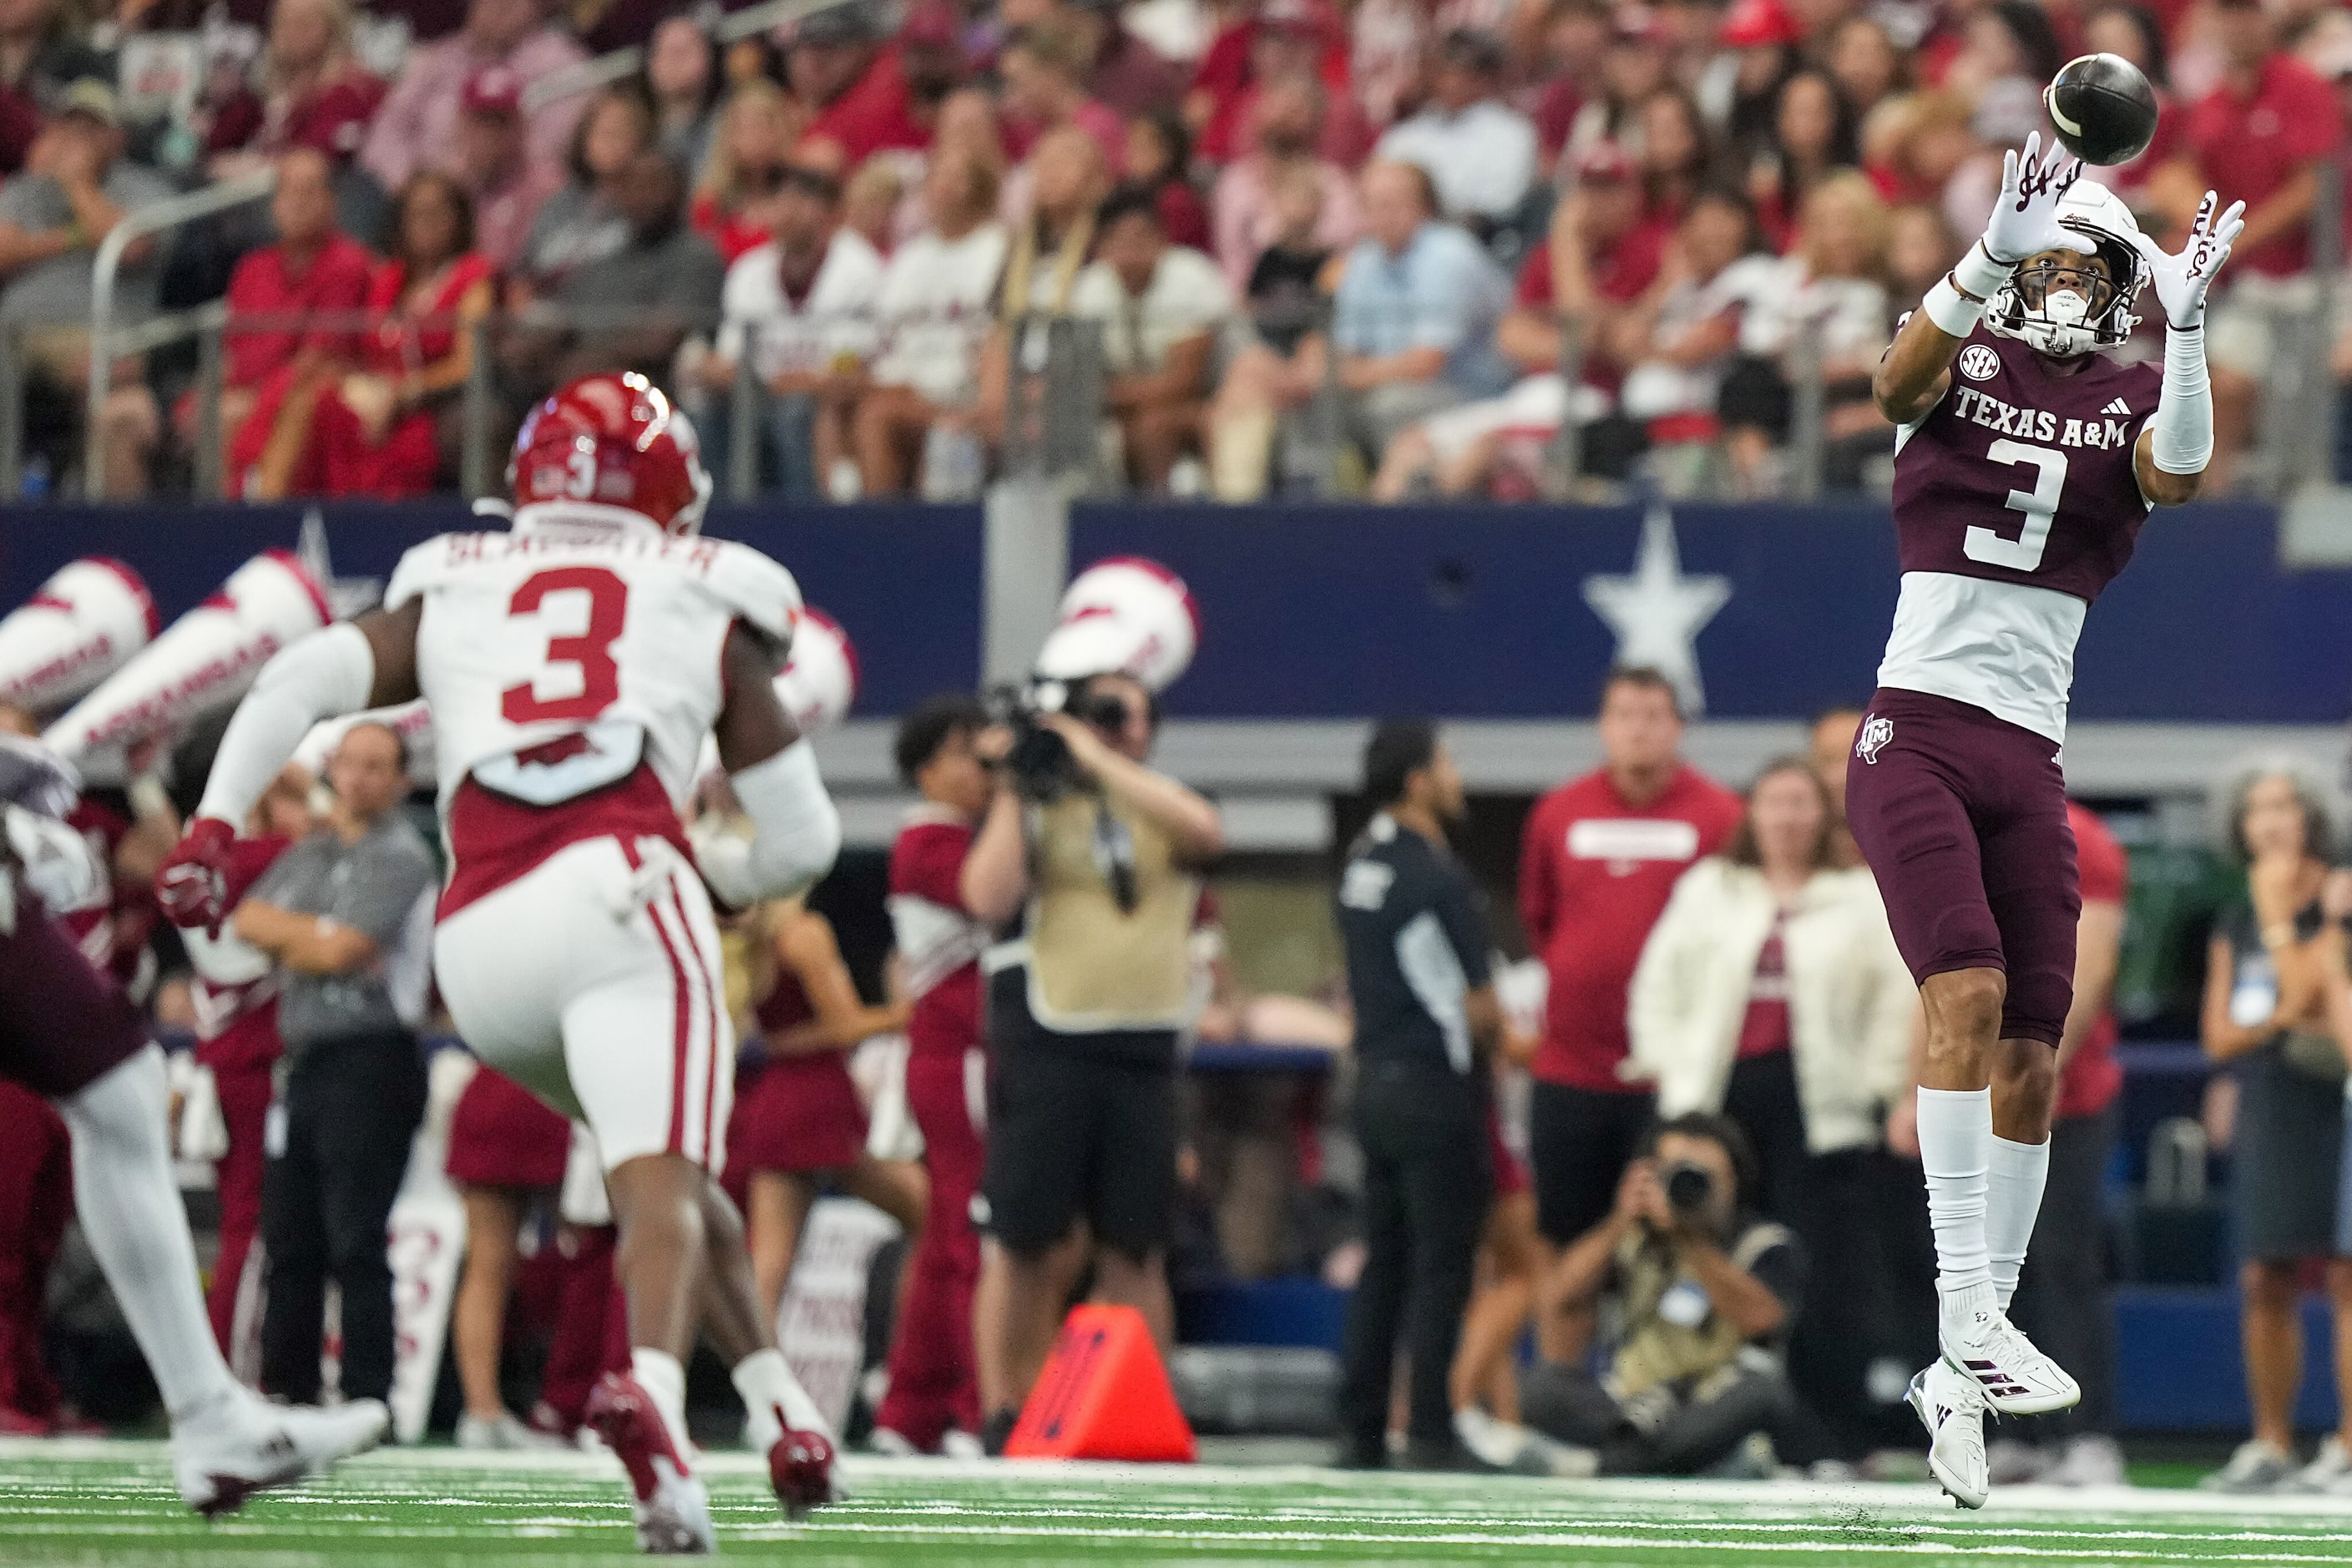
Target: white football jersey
612,635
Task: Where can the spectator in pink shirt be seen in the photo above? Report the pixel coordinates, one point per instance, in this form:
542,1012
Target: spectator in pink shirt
1243,220
1045,87
494,166
417,127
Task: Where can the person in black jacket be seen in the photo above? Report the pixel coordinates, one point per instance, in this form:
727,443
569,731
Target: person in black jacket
1426,1020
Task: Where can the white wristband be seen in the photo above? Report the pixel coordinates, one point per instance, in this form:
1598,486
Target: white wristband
2181,437
1954,312
1978,274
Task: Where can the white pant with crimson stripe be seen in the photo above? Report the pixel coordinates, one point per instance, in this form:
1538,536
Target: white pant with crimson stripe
593,980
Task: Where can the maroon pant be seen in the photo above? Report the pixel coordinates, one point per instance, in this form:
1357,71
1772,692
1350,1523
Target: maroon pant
63,1025
236,1177
933,1386
35,1201
1962,817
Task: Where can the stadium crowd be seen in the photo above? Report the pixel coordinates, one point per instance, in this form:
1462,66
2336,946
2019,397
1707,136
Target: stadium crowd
1391,246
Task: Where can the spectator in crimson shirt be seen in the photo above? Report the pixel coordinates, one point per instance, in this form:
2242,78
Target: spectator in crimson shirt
308,89
2257,138
1283,37
854,87
932,1387
314,266
1599,858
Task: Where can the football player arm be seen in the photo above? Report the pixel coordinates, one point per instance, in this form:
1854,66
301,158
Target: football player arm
1917,371
2098,950
796,831
369,662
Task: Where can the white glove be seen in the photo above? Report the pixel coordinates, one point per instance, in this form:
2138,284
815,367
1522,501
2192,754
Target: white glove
2180,281
2026,220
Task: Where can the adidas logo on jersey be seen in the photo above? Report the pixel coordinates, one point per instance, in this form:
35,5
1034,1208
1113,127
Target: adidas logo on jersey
2117,406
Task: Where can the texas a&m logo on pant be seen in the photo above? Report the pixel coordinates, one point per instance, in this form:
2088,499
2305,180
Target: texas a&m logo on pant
1875,733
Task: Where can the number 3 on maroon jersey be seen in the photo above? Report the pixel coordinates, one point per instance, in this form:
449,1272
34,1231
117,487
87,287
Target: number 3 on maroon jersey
2039,504
590,650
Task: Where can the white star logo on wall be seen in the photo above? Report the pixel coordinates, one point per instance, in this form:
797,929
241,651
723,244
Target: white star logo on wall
347,597
1657,612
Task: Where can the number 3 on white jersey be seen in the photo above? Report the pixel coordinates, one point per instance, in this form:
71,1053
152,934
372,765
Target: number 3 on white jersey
2039,504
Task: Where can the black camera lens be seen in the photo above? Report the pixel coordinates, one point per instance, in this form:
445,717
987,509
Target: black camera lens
1688,1187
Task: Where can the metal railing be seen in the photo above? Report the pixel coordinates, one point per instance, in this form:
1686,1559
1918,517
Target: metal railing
104,347
1053,423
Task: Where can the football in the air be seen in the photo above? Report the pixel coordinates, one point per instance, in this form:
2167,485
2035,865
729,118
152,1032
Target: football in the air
2104,108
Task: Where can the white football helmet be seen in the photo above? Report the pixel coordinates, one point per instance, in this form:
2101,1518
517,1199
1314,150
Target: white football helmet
2095,314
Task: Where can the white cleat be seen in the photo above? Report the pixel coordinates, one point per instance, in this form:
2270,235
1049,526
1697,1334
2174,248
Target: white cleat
1978,1340
672,1506
223,1456
1952,1407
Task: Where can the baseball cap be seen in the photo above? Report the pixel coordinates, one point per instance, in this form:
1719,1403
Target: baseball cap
1755,23
492,89
1604,162
91,97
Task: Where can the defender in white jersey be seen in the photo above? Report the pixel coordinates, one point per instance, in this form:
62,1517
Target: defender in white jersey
573,667
2025,464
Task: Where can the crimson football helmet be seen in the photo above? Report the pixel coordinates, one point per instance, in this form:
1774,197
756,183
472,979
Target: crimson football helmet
611,444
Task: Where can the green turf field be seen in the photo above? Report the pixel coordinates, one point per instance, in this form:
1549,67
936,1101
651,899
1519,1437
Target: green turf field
110,1503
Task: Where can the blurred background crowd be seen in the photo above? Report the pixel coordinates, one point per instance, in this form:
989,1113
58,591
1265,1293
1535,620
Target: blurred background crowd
1220,247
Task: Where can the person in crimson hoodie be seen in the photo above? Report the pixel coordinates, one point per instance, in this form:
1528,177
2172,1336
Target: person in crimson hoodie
36,1202
1599,858
934,1401
236,997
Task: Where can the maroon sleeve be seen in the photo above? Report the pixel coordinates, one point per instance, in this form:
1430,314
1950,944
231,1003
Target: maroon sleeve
335,120
927,862
20,125
1537,899
2314,123
234,123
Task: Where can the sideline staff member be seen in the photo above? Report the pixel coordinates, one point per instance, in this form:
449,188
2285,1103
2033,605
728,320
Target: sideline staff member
1426,1019
1083,1015
348,914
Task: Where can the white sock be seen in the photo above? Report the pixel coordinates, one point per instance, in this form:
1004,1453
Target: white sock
770,1391
661,1375
131,1211
2014,1180
1956,1151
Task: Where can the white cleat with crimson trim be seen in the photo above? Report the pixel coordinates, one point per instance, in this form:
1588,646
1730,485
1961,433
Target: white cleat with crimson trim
2017,1379
241,1445
672,1506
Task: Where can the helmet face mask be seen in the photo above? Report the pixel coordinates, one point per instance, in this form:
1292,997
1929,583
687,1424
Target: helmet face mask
2057,302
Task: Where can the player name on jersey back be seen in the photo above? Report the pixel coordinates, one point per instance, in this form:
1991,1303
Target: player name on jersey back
555,658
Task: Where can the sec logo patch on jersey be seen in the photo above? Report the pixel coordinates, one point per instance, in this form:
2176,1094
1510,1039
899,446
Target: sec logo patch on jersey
1979,362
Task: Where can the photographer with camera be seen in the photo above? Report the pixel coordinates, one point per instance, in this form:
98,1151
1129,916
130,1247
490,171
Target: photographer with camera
1704,1293
1100,856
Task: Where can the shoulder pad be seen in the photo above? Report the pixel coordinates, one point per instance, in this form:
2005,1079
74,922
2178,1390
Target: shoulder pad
760,592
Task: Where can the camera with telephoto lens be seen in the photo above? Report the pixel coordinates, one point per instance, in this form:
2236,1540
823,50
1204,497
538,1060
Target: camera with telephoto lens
1040,763
1688,1187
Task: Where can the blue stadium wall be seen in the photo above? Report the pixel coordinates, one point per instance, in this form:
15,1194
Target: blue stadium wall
1330,612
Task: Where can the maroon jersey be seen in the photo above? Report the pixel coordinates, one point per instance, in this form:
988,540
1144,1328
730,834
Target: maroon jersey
2015,503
